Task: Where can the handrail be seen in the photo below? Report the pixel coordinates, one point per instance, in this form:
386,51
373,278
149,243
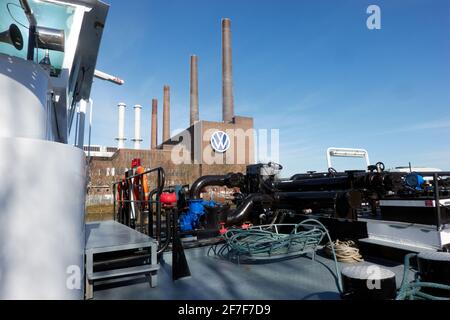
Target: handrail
158,191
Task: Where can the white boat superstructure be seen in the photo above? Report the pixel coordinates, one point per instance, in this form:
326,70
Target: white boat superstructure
48,54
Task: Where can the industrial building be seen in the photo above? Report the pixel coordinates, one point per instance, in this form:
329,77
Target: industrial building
186,156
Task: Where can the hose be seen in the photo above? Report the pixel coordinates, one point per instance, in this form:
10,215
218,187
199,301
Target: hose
346,251
257,242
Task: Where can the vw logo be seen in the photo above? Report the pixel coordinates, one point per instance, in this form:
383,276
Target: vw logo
220,141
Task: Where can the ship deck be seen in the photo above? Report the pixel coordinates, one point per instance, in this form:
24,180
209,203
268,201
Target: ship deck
213,278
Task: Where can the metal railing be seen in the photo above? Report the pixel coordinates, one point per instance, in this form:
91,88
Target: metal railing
154,200
437,193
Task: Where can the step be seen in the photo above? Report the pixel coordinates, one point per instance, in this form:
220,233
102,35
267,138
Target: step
122,272
388,250
396,245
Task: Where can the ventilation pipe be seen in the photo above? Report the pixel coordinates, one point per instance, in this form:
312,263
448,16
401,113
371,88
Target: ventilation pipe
137,127
121,136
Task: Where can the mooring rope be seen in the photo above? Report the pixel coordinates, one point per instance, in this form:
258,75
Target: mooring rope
346,251
412,290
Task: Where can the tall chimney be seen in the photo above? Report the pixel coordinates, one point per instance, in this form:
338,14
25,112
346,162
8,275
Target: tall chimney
227,72
121,128
154,124
194,89
166,114
137,127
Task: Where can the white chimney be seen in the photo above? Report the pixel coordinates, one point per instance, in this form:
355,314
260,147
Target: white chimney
121,137
137,127
82,107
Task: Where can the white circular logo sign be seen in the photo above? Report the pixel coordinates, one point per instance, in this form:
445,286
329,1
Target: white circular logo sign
220,141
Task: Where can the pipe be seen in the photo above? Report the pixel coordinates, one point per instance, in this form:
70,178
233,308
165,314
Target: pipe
313,184
241,214
137,127
342,201
166,114
205,181
81,126
227,73
194,90
230,180
121,127
154,139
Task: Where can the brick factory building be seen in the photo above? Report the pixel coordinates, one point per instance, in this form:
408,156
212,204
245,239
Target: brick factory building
186,156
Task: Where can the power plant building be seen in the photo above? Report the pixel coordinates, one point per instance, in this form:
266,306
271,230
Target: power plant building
204,148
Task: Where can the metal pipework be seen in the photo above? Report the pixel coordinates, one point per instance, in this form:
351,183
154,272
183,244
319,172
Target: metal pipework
166,114
121,126
137,127
227,73
82,108
230,180
242,213
194,90
342,201
154,138
49,38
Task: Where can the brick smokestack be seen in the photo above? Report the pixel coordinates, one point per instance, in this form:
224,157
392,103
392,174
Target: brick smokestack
166,114
194,90
154,138
227,72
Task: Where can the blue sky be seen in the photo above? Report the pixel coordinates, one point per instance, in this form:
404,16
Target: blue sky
309,68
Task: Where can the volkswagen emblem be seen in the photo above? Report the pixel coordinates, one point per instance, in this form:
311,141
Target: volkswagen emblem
220,141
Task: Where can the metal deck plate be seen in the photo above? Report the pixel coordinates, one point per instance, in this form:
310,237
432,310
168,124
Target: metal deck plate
101,236
213,278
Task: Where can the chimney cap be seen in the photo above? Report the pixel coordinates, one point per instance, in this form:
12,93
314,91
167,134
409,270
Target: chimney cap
226,22
137,106
121,104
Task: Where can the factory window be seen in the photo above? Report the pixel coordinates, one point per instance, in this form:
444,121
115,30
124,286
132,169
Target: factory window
107,172
113,171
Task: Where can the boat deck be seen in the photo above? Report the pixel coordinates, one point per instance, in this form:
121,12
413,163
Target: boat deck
213,278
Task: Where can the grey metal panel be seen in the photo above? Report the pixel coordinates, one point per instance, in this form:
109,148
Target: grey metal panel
415,235
24,88
42,198
110,235
122,272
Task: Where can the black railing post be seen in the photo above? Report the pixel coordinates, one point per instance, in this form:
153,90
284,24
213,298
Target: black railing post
158,210
437,200
114,201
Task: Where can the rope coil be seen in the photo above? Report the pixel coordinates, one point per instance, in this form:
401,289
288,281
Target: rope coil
268,242
346,251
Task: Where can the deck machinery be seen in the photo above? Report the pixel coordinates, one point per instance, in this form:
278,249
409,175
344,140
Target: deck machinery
373,205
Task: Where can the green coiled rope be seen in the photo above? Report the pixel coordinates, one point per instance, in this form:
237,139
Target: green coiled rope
260,242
